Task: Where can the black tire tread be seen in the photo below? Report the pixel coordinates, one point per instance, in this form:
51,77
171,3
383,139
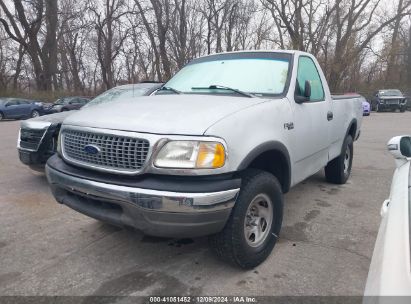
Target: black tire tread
221,243
334,172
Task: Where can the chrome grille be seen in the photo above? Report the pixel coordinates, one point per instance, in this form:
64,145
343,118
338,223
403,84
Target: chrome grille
117,153
30,139
392,101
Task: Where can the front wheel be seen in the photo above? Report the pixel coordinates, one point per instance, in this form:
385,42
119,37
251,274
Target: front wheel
34,114
339,170
255,222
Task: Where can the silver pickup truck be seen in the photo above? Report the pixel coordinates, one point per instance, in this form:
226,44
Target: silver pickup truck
212,153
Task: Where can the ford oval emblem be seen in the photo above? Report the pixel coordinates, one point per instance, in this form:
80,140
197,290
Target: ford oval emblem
92,149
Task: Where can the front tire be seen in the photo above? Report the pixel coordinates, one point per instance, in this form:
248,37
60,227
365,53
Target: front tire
34,114
338,170
255,222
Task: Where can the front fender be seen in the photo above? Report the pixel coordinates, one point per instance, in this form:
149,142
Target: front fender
255,130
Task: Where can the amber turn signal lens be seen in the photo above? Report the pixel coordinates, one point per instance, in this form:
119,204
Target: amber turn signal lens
210,155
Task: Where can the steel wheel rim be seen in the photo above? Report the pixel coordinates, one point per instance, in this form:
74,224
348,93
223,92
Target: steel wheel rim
34,114
347,158
258,220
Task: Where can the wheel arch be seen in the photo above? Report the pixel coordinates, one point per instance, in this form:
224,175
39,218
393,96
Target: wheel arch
273,157
352,129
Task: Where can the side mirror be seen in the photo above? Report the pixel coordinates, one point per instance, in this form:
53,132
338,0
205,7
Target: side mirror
307,89
306,94
400,148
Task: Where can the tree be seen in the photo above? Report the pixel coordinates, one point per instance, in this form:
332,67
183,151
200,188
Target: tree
409,57
25,29
355,26
111,35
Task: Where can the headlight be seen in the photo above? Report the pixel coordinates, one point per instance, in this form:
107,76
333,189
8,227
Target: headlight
191,155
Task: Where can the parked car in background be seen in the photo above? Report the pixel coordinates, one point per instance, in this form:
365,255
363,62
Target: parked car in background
16,108
37,137
68,104
212,153
388,100
390,270
366,107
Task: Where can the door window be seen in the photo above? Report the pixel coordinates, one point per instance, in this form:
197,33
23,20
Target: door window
11,103
308,71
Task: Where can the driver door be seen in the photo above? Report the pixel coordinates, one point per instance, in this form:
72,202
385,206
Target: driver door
312,122
11,108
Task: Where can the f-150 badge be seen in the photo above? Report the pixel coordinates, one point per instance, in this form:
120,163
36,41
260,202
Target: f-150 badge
289,126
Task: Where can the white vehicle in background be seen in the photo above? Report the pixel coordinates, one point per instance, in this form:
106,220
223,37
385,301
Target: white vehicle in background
390,269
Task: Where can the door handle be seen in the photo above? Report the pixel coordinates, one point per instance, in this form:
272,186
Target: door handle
330,116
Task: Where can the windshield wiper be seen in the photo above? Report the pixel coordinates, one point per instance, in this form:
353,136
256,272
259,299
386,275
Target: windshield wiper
219,87
170,89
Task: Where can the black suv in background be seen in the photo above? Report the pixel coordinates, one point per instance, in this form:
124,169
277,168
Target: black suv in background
388,100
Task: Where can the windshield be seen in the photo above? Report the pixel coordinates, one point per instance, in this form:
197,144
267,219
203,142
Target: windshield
117,93
254,73
391,93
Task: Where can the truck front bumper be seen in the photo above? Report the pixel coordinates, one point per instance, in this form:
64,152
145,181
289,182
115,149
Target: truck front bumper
36,160
391,107
154,212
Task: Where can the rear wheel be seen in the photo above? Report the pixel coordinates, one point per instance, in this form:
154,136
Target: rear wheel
34,114
255,222
339,170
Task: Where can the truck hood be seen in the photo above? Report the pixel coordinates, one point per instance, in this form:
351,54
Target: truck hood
56,118
165,114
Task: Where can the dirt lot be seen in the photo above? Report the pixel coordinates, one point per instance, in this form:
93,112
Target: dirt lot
325,247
